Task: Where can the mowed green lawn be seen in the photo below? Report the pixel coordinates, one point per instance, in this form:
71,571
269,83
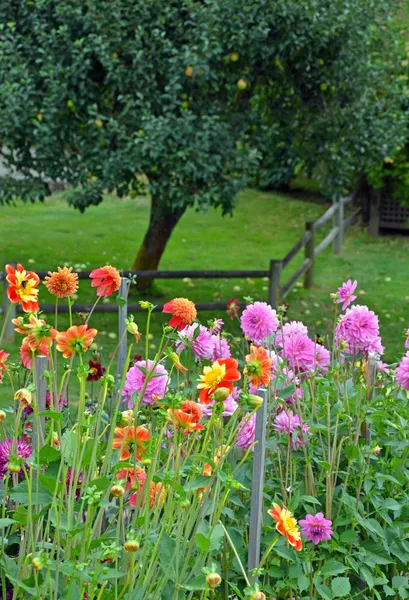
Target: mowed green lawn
264,226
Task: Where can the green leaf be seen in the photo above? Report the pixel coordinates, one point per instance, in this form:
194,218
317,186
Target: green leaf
348,536
391,504
398,581
167,549
352,452
48,454
303,582
112,574
20,494
6,522
388,591
216,537
340,587
198,583
377,553
202,542
310,500
52,414
323,590
49,483
199,482
333,567
367,575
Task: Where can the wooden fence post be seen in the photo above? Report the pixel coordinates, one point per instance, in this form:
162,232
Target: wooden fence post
274,285
41,365
375,197
310,254
256,509
122,337
8,310
339,223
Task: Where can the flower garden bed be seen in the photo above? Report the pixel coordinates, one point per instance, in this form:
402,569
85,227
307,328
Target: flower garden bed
139,486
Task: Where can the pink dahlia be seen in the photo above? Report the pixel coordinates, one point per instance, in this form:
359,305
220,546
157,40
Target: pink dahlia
201,342
345,293
215,326
291,425
135,380
258,322
21,450
221,348
292,379
299,350
375,346
290,329
359,327
316,528
382,367
246,433
407,339
322,358
230,406
402,372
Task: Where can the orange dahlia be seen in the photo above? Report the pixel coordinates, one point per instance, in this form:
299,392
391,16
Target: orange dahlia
187,418
27,353
183,311
134,476
77,338
286,525
220,374
258,366
130,441
61,283
3,357
156,495
38,332
106,279
23,287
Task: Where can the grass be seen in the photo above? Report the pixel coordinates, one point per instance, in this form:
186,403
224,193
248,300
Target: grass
264,226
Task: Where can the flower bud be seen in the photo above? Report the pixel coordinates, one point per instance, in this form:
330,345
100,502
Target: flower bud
189,71
146,305
37,563
126,417
24,396
132,328
14,467
221,394
376,450
2,416
241,84
146,462
254,401
258,596
213,580
131,546
117,490
55,440
184,504
94,347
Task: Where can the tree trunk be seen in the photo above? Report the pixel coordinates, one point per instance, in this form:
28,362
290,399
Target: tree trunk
162,222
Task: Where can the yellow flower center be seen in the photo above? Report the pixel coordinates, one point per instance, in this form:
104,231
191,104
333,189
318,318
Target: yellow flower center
25,287
289,523
212,376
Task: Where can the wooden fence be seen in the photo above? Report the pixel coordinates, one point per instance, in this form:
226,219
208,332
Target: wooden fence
277,290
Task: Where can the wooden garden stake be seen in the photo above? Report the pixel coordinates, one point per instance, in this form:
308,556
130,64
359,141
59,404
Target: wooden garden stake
256,510
41,365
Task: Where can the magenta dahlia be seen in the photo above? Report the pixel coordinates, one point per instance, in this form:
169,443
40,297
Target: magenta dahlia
345,293
200,341
258,322
316,528
21,450
358,327
136,378
402,372
246,433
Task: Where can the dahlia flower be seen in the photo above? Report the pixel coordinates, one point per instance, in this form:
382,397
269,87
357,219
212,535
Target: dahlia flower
187,417
402,372
316,528
3,357
345,293
130,441
136,378
77,338
299,350
230,406
286,525
358,327
202,344
221,348
220,374
23,287
290,424
106,279
258,322
21,450
258,366
233,308
246,433
61,283
183,311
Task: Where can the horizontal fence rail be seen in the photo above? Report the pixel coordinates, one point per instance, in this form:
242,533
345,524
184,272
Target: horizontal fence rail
277,290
